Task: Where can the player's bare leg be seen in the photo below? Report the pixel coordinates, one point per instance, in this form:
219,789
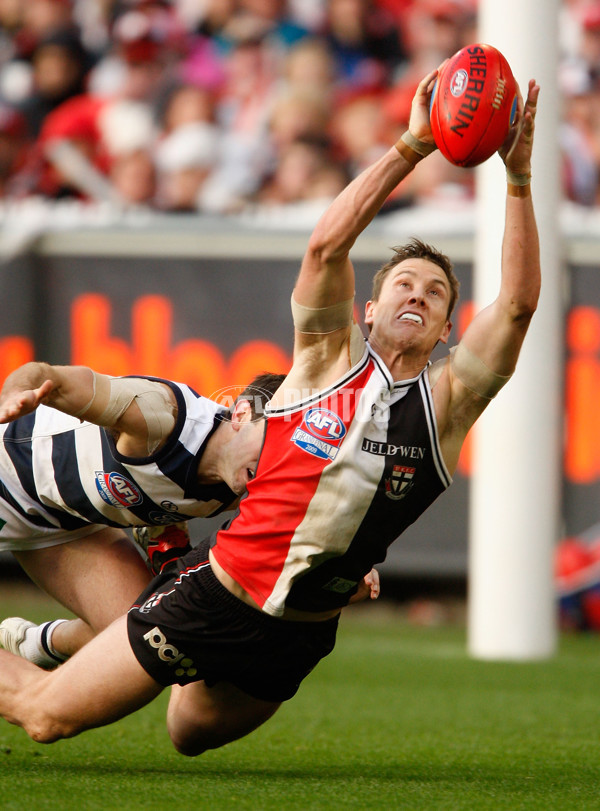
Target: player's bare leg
201,717
99,685
68,637
97,578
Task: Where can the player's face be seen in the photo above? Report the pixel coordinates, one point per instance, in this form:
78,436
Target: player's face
244,450
412,307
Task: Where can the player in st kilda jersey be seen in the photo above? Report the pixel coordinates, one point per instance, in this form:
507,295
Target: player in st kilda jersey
359,440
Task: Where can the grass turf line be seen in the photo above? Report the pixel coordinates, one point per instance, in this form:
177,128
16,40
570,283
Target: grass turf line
396,718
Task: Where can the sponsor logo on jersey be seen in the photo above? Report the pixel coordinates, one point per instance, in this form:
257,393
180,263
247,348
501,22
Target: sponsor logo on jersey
153,601
340,585
117,490
399,484
387,449
184,666
320,434
162,518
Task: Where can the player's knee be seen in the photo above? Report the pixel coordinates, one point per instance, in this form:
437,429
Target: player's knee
43,733
188,748
192,739
199,739
49,730
43,727
187,729
43,730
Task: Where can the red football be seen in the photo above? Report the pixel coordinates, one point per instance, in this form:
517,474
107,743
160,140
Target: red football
473,105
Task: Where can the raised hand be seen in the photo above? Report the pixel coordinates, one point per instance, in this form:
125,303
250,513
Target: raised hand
419,124
16,403
517,148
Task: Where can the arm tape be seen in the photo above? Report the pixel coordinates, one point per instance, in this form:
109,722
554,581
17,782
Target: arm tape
83,410
474,374
322,320
151,398
357,344
420,147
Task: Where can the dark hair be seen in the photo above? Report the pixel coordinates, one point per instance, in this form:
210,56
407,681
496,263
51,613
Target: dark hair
260,391
415,249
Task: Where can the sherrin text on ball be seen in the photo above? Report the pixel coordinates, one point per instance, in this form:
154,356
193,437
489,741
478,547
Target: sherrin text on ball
473,104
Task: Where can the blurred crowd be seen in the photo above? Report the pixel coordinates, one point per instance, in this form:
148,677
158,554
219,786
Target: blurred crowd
218,106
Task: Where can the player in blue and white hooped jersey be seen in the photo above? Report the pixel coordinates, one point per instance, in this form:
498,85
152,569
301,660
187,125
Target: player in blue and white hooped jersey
61,475
162,455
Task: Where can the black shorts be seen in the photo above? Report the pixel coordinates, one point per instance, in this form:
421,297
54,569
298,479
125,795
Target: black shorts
188,627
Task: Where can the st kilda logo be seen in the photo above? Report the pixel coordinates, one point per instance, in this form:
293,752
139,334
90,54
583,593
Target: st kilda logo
400,482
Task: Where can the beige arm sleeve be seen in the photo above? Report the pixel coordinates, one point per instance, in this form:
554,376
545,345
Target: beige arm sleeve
323,320
152,399
86,407
435,370
474,374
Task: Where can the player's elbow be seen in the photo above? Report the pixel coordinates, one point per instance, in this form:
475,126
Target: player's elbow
522,311
324,249
520,308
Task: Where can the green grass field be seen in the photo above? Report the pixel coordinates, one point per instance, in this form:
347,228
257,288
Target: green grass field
397,717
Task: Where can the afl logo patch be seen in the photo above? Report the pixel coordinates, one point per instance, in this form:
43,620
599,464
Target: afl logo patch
459,82
321,433
117,490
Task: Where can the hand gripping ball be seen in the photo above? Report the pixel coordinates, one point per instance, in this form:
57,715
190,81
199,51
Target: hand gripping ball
473,104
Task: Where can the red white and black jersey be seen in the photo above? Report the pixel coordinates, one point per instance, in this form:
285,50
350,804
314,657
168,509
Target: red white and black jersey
341,475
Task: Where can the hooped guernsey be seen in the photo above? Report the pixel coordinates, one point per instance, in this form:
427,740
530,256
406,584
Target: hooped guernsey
340,476
61,477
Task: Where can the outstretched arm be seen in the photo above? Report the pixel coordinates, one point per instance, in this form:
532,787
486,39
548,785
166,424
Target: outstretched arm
496,334
66,388
326,276
140,411
323,343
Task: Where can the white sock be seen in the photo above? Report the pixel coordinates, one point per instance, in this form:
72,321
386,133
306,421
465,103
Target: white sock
37,646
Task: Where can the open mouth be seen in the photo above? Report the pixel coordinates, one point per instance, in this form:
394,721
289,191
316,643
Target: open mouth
411,317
